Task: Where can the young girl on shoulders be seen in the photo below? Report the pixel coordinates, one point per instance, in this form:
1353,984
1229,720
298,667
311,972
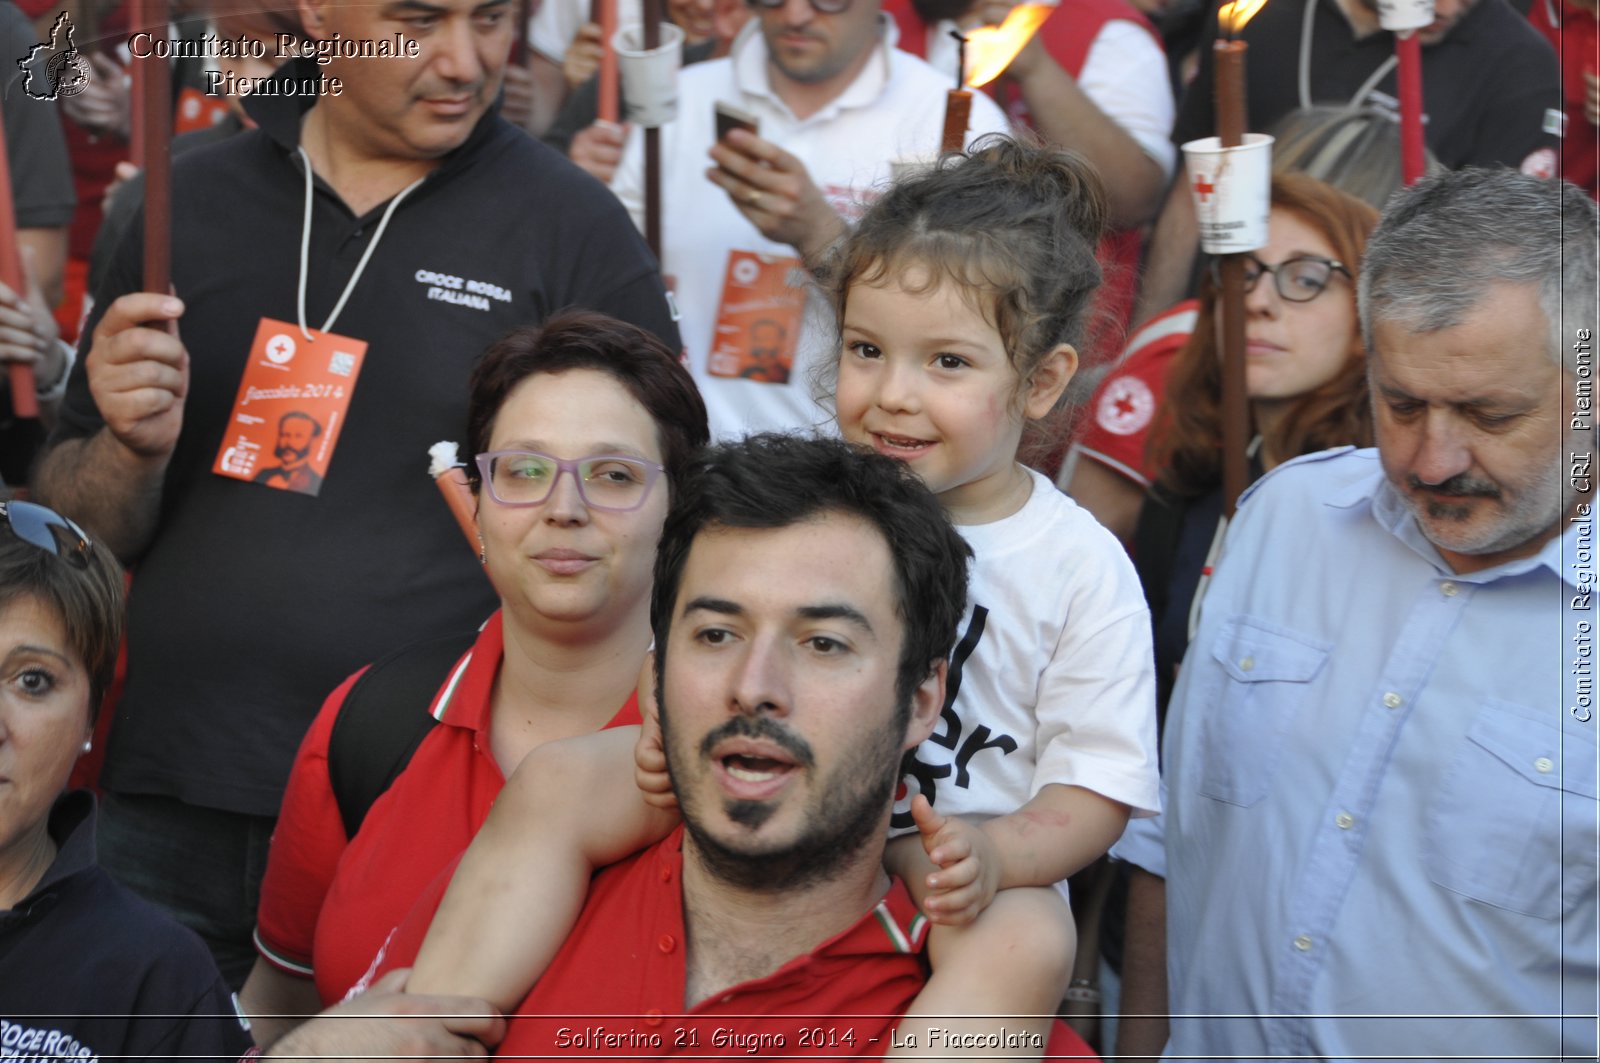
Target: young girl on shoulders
960,295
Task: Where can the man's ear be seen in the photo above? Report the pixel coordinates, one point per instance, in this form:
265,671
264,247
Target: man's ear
927,701
314,16
1049,380
647,689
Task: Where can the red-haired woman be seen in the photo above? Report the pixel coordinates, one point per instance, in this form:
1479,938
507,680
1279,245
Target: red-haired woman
1305,376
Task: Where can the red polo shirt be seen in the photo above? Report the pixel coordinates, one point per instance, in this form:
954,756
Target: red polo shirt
329,902
616,988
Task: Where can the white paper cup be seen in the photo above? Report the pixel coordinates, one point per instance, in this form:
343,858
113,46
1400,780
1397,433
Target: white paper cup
1232,191
1397,15
649,78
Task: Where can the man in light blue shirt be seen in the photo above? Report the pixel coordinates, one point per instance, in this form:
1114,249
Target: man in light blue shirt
1381,831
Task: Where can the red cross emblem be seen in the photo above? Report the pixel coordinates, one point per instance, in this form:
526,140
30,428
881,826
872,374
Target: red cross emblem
1126,406
1203,188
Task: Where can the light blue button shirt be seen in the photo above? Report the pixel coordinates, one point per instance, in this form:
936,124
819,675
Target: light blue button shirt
1382,831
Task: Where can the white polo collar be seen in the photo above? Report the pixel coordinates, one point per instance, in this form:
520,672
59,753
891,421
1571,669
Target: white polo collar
748,54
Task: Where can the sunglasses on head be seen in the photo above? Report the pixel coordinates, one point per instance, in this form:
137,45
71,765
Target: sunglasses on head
40,526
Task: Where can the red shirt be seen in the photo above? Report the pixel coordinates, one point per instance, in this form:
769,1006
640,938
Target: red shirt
617,985
616,988
1576,36
1125,402
328,902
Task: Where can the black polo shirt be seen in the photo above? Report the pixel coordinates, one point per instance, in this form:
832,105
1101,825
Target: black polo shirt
89,971
251,603
1485,87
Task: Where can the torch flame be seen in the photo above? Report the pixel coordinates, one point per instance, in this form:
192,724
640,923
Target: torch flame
1233,16
990,49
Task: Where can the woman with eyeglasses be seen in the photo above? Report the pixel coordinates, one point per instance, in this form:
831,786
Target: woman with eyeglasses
1305,376
579,430
87,970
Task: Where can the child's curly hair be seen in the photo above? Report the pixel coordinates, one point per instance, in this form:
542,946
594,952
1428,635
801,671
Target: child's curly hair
1013,224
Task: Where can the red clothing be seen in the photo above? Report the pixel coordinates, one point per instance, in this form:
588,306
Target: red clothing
1067,35
1125,402
1576,36
327,902
617,985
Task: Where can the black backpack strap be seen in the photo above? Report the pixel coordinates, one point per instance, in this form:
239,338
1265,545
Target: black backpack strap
384,719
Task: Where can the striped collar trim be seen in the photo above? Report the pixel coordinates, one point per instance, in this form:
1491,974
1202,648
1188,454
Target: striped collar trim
441,703
907,938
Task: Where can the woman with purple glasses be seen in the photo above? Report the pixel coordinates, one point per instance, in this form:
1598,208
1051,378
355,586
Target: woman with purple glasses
578,430
86,968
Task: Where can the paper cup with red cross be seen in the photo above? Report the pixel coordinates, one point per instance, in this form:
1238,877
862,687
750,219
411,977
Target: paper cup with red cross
1231,188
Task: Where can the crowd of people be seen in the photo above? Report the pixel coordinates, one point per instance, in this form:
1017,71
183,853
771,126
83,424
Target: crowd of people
856,647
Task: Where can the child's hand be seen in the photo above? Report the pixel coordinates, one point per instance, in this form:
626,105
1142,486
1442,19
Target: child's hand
969,866
650,766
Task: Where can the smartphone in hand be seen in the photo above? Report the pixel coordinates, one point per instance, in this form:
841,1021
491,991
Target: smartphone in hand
730,118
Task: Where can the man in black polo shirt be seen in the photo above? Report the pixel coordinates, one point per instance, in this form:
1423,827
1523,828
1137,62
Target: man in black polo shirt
1491,93
387,234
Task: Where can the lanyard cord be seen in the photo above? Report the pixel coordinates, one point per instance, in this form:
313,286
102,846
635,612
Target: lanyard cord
305,249
1305,65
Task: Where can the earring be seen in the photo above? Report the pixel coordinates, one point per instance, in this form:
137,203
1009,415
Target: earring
483,553
88,745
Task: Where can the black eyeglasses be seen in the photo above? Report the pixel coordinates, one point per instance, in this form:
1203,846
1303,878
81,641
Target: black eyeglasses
606,481
48,530
1298,280
825,7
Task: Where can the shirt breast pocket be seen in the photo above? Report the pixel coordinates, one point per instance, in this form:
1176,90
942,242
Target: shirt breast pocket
1509,826
1267,670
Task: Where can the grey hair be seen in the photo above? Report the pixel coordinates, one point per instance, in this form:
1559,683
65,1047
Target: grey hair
1445,240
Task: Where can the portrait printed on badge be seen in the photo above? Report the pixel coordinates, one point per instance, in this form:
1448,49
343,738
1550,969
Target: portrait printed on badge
292,401
298,432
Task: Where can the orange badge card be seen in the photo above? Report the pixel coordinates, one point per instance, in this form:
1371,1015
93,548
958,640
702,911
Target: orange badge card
758,323
291,405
